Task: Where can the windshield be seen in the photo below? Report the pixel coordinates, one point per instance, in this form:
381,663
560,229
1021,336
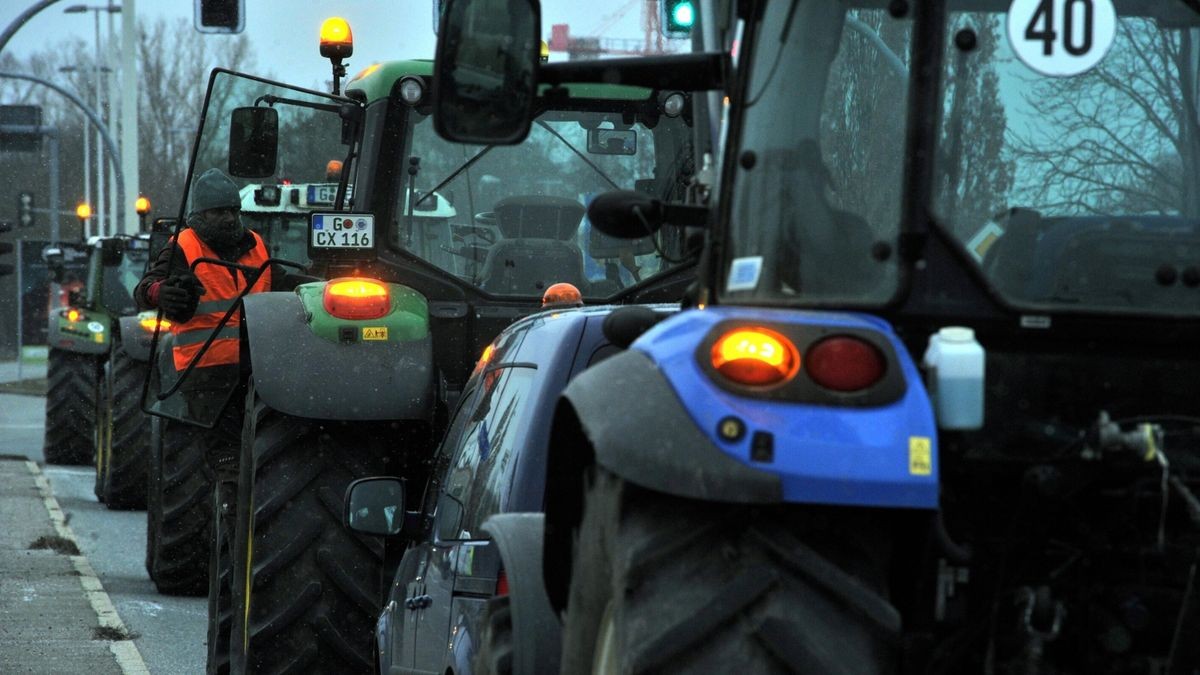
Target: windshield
119,281
1070,164
284,233
308,139
510,219
1068,138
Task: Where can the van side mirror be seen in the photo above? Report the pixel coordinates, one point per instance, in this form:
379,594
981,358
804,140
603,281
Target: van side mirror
375,506
253,142
485,73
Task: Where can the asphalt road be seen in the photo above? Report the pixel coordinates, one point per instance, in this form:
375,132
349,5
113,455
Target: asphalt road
171,631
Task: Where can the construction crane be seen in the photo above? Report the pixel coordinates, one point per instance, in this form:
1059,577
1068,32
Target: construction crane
654,41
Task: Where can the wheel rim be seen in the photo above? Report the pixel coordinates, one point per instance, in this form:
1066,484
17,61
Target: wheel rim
605,660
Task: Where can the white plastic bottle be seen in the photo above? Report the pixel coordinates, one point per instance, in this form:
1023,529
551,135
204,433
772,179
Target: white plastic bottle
954,376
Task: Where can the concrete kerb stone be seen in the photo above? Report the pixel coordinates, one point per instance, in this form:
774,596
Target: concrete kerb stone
126,653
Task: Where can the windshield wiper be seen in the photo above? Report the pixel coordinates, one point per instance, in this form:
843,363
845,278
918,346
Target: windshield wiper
466,165
595,168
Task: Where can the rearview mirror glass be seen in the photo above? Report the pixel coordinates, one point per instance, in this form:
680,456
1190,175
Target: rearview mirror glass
112,251
612,142
485,73
375,506
449,519
253,142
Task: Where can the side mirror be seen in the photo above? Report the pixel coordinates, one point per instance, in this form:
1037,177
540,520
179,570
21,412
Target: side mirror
253,142
485,71
112,251
628,214
612,141
54,257
375,506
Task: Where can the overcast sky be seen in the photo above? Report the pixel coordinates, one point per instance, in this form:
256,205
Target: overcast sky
285,31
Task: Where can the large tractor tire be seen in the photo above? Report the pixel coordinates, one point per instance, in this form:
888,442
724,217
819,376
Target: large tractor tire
220,594
668,585
101,433
179,512
128,433
153,492
71,393
315,588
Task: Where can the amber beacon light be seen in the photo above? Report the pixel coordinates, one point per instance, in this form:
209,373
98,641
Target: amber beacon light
354,299
337,43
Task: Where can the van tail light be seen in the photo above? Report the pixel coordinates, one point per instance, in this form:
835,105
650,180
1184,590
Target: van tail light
355,299
501,584
755,356
845,364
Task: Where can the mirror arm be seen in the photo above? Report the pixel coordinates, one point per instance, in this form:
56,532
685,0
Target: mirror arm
702,71
340,108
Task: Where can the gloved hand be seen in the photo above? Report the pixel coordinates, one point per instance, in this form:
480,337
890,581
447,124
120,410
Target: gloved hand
178,297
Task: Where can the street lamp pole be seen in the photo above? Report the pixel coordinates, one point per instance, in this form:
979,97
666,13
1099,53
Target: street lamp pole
87,149
101,201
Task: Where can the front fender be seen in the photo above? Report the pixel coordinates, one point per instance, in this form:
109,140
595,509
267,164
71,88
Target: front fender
90,333
668,453
302,374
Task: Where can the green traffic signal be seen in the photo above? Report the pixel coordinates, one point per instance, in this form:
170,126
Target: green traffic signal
679,17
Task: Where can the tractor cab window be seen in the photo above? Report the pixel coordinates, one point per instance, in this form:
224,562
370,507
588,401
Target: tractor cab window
120,280
510,220
816,210
1069,159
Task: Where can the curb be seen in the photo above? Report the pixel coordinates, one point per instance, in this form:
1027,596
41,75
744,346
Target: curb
124,651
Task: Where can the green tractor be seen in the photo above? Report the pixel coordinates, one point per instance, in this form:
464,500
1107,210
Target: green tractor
437,249
99,345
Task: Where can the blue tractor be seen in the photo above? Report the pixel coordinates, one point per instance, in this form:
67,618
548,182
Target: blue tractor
874,442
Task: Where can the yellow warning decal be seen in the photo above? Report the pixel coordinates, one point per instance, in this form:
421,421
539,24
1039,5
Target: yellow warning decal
98,337
920,456
374,333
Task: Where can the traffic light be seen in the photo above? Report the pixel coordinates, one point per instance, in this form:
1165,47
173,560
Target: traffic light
678,17
220,16
5,247
25,209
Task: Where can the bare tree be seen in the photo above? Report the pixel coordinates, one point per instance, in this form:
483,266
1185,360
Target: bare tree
1121,138
175,62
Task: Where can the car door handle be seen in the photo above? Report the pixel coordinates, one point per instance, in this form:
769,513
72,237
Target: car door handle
418,602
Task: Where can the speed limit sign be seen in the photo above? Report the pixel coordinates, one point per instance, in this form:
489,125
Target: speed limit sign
1061,38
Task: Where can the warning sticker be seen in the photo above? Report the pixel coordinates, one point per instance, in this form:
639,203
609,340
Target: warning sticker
744,273
920,456
1061,38
374,333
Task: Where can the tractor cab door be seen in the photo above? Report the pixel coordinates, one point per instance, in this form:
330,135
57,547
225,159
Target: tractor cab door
265,136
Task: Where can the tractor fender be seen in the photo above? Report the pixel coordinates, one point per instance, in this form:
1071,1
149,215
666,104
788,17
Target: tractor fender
301,374
667,453
537,632
80,337
134,339
623,415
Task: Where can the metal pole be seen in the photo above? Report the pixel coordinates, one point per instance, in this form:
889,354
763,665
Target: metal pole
20,308
129,105
87,163
100,200
54,189
116,223
21,19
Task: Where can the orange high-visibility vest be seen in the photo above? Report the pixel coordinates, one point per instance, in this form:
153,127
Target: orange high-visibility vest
222,285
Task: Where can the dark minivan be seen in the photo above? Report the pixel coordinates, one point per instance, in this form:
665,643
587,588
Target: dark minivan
492,460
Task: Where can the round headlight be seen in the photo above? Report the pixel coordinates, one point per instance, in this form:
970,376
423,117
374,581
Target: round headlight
673,105
411,90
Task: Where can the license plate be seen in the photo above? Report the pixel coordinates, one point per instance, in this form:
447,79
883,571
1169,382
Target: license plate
322,194
342,231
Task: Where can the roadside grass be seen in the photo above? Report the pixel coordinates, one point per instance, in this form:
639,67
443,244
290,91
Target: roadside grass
55,543
31,387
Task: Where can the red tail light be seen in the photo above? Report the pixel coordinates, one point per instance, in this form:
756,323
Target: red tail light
844,363
501,584
353,298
